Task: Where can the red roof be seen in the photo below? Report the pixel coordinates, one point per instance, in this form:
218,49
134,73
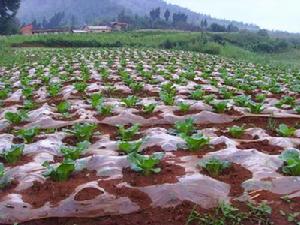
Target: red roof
26,27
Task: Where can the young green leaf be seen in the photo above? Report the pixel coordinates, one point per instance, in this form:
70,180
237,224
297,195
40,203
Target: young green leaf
59,172
14,153
236,131
185,127
145,164
148,109
17,117
129,133
214,166
129,147
83,131
28,133
73,153
285,131
196,141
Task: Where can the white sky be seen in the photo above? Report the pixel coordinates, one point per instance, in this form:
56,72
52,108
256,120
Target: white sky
271,14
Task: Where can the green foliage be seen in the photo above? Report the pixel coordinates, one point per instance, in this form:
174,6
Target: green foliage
167,98
220,107
214,166
236,131
291,159
29,105
256,107
241,100
105,110
130,101
148,109
184,107
260,98
3,94
63,107
80,86
96,100
261,212
129,133
73,153
286,100
28,134
185,127
145,164
129,147
83,131
13,154
54,89
196,141
136,86
285,131
59,172
4,178
197,94
224,214
17,117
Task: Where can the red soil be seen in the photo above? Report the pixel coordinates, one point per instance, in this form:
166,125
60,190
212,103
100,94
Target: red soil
169,173
235,176
53,191
262,146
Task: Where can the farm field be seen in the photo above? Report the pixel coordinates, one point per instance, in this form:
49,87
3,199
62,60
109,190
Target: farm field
143,136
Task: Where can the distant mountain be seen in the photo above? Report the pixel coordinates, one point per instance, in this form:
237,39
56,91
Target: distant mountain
90,11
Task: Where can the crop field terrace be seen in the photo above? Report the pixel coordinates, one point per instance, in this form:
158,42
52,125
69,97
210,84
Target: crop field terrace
130,136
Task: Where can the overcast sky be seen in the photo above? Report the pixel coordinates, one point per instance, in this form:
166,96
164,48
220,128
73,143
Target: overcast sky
271,14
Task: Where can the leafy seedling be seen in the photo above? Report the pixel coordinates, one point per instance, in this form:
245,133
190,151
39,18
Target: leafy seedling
27,134
59,172
196,141
129,133
236,131
13,154
148,109
291,159
130,101
184,107
96,100
145,164
83,131
63,107
74,153
220,107
80,86
214,166
130,147
285,131
16,118
186,127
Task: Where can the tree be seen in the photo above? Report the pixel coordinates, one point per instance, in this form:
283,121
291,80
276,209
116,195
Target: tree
214,27
54,22
155,14
8,11
232,28
263,33
167,15
179,19
73,22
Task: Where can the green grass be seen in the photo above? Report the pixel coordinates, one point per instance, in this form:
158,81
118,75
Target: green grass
191,41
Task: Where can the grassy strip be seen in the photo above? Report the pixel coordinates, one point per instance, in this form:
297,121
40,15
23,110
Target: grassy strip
191,41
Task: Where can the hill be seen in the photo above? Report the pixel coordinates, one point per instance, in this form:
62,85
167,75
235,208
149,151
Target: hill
91,11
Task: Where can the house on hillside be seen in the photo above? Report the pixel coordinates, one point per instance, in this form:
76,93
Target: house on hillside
29,30
98,29
50,31
118,26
